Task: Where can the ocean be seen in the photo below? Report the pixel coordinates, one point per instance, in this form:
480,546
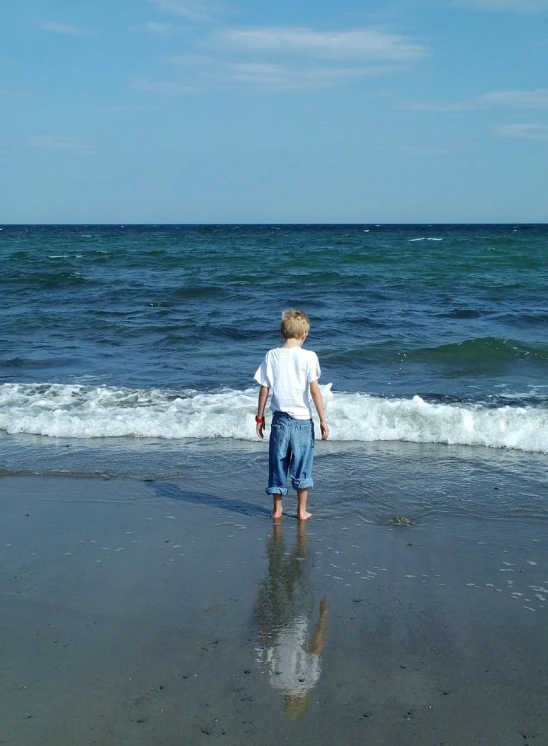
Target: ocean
130,351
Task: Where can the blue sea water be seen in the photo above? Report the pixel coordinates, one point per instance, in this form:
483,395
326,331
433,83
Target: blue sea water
118,339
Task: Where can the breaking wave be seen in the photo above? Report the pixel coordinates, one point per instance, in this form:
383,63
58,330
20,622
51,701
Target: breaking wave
75,411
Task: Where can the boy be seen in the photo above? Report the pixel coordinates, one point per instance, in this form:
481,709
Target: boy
292,373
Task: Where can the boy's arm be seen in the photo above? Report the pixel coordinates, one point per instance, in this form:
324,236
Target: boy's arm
261,405
316,395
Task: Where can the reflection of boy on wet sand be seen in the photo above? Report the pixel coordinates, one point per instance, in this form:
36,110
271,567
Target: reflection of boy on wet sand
284,610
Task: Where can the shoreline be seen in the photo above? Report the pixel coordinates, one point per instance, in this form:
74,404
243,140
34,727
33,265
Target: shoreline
374,481
133,615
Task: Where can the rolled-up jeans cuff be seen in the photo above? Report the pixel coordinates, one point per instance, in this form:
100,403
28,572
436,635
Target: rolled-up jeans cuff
302,484
276,491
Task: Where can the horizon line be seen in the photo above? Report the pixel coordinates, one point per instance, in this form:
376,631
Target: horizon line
268,224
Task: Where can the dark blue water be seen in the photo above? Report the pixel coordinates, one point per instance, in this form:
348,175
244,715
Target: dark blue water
396,310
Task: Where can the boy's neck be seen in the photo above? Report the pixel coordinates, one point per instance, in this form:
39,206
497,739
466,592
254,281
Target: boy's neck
291,343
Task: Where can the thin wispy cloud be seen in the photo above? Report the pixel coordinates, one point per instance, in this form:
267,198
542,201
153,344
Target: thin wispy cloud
9,94
370,44
153,28
278,77
522,131
276,59
162,87
535,99
513,6
67,29
191,10
427,105
55,142
128,108
191,59
267,77
418,150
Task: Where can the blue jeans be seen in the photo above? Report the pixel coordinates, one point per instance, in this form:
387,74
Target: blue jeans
290,451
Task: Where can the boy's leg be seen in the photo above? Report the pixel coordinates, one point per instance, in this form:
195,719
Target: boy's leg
277,509
302,497
278,463
300,470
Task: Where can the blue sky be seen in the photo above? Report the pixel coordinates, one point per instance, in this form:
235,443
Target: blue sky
190,111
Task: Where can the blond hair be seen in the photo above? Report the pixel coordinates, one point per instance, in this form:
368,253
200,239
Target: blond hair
295,324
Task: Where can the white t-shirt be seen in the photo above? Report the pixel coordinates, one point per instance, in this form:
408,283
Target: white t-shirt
288,374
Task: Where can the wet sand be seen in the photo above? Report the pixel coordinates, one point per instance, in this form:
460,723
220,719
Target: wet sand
142,613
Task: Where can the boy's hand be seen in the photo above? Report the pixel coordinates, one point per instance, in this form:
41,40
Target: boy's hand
260,429
324,429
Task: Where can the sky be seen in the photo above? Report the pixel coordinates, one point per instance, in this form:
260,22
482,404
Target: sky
299,111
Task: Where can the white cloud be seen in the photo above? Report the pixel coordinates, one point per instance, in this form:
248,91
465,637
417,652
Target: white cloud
275,58
514,6
68,29
522,131
370,44
192,10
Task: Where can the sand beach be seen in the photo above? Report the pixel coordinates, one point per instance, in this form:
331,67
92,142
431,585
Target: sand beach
147,612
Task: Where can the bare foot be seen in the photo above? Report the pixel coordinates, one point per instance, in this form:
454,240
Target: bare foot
276,514
304,516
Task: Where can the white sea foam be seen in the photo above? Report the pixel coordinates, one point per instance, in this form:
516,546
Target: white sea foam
74,411
425,238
